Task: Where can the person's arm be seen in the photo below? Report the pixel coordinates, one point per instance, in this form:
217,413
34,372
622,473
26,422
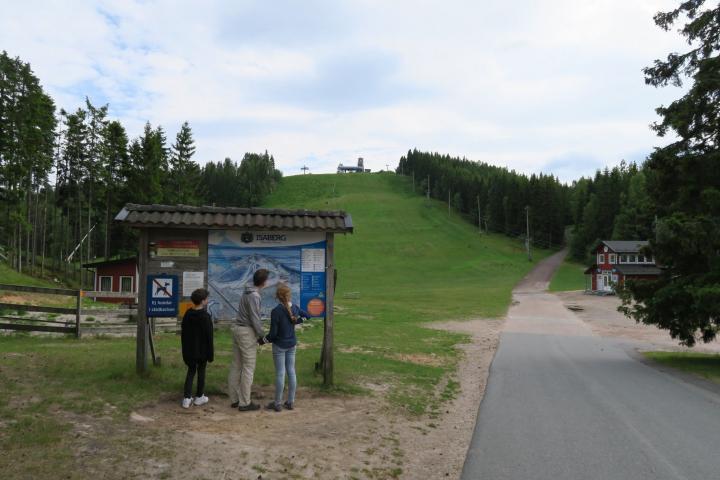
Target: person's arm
184,340
301,315
209,335
274,322
254,312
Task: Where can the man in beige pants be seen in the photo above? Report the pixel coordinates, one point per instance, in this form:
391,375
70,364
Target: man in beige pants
247,332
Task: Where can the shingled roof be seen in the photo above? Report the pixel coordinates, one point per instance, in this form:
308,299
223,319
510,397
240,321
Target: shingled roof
185,216
625,246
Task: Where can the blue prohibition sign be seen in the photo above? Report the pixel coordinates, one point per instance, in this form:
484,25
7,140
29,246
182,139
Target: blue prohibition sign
162,295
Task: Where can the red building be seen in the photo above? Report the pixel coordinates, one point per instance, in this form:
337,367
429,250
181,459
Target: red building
617,261
120,275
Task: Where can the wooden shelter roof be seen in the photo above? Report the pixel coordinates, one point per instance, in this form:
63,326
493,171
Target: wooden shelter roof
185,216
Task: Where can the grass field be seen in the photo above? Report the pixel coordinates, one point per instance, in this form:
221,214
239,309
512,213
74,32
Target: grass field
10,276
701,364
408,263
568,277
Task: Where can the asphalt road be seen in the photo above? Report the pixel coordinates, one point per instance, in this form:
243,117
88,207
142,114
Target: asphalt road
562,403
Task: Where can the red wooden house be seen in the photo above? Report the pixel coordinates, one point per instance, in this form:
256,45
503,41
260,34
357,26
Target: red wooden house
119,275
617,261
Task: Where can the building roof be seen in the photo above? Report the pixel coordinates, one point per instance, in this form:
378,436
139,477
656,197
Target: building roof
105,263
638,269
185,216
625,246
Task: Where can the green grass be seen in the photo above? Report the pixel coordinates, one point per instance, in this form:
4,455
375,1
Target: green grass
10,276
701,364
408,263
568,277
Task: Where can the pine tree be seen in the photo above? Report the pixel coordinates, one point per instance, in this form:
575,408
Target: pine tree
684,184
184,178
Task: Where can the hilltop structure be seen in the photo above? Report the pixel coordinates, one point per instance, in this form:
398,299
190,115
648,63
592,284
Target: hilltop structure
360,168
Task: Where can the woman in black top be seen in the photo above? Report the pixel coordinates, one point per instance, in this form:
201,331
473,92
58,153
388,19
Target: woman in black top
283,319
197,346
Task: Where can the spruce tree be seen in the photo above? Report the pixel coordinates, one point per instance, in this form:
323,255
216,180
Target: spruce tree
684,184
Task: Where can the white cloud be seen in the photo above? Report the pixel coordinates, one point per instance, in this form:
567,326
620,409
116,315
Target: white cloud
529,85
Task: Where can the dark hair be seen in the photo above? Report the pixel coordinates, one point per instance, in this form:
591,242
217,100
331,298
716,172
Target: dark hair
260,277
198,296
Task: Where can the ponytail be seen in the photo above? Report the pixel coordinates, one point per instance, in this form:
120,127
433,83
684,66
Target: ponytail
284,295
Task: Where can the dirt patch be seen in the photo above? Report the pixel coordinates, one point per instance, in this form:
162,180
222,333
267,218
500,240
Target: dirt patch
420,359
601,315
327,437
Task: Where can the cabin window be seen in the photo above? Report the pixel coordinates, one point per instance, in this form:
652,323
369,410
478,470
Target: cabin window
613,258
632,259
106,284
623,258
601,258
641,258
126,284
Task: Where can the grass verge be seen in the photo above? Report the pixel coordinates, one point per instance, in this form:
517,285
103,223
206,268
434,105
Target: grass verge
568,277
704,365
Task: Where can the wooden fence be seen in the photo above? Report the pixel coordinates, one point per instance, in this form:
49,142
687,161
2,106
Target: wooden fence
32,324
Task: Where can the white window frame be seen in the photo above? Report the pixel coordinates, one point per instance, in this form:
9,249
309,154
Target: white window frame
100,281
601,258
612,258
632,258
623,258
131,284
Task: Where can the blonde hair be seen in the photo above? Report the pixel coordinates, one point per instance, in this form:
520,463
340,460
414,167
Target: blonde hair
284,294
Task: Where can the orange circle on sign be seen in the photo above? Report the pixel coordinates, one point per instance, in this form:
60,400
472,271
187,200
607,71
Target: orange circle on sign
316,307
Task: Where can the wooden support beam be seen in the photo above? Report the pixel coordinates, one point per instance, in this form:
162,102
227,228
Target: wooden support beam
36,308
35,328
51,291
143,346
327,349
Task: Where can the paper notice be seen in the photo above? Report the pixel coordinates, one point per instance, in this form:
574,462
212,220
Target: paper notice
192,281
313,259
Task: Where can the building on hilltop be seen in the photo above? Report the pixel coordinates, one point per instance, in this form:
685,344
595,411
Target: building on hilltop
360,168
617,261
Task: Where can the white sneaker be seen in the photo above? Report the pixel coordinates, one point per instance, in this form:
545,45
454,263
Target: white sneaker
186,402
201,400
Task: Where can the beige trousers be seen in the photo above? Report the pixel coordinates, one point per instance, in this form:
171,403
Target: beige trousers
242,366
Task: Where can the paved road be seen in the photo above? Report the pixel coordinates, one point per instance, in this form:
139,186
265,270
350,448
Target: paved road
562,403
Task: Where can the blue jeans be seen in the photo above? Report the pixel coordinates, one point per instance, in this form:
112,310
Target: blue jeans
284,359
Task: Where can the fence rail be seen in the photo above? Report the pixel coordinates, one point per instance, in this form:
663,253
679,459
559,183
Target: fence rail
21,324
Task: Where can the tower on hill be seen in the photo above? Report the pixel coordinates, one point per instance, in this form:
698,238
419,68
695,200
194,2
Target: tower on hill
360,168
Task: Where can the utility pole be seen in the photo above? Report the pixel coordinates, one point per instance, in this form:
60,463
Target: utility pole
305,169
527,233
479,216
428,188
413,181
448,203
387,167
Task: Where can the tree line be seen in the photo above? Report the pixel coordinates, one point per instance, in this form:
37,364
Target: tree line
495,198
64,176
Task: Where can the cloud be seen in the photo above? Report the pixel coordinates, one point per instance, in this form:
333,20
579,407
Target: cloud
534,86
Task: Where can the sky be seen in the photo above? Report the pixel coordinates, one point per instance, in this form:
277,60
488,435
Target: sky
553,86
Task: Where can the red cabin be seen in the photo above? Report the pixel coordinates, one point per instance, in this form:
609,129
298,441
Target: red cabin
120,275
617,261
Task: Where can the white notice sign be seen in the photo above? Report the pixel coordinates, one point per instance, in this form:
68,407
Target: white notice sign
192,281
313,260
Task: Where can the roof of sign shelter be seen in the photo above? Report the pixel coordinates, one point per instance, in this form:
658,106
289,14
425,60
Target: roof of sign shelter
233,218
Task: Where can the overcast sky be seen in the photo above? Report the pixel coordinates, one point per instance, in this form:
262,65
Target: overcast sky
552,85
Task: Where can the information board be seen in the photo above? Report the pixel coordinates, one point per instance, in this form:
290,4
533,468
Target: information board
294,258
162,295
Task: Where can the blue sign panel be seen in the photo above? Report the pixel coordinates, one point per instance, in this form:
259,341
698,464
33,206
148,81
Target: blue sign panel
162,295
296,259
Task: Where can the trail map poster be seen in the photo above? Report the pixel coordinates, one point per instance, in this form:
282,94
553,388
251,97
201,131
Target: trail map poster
294,258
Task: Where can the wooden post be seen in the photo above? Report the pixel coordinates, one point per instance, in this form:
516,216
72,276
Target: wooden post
143,346
77,313
327,352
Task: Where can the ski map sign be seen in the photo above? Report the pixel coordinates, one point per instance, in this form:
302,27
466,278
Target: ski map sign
162,295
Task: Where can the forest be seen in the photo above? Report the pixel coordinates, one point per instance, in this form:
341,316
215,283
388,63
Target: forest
65,175
613,204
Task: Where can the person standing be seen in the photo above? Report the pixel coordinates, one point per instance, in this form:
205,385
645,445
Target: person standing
247,332
283,320
196,338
